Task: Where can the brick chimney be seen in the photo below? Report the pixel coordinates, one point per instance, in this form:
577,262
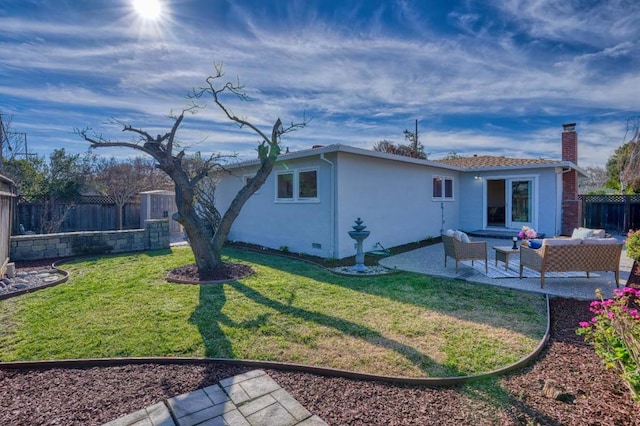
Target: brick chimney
571,204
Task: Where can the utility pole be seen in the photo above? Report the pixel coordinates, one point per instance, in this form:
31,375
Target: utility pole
415,144
1,141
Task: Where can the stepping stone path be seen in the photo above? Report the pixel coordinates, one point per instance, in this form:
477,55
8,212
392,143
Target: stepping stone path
249,399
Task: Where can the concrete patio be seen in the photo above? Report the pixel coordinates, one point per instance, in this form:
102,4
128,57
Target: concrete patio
430,261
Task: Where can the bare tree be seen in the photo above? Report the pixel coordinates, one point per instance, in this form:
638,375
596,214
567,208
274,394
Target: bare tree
206,238
630,171
122,180
595,180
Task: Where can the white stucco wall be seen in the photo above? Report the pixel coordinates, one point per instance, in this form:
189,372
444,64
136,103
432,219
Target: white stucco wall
393,198
300,226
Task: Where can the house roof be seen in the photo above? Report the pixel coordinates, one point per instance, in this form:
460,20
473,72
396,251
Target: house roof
484,161
464,164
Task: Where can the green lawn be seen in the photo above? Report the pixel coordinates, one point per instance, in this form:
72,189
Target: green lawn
402,324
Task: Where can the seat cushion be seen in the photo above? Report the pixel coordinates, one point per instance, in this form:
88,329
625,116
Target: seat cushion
600,241
561,242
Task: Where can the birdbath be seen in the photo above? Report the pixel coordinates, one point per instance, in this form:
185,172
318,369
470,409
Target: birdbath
359,234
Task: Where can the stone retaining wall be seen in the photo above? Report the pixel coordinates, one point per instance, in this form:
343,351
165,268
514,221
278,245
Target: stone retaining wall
155,235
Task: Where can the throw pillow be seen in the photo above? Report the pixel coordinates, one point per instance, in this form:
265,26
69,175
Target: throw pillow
535,244
449,232
464,237
582,233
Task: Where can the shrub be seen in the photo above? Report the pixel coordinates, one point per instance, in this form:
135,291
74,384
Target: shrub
633,244
614,332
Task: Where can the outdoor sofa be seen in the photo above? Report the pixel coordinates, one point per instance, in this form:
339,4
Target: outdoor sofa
572,254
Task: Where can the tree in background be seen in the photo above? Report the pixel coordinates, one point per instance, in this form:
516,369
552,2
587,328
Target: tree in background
206,238
452,155
412,149
619,174
595,181
122,180
54,185
623,167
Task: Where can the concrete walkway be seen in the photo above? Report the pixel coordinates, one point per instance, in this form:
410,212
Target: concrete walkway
430,261
249,399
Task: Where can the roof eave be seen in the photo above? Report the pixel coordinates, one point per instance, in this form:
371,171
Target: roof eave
351,150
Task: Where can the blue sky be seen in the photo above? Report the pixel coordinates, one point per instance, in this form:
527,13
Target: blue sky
482,77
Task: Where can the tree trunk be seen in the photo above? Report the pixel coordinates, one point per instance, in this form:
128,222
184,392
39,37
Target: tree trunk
207,259
119,216
198,231
634,276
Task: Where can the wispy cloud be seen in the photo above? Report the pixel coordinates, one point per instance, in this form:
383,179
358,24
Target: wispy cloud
481,77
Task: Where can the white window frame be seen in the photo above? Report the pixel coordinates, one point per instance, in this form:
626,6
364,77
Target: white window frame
296,186
443,179
293,186
297,181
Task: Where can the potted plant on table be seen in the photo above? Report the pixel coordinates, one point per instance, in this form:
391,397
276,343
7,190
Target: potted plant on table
526,234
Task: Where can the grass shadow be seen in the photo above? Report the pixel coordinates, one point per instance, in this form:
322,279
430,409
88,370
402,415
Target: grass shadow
451,297
346,327
208,317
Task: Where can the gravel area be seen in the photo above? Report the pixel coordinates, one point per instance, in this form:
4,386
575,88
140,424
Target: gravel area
28,278
590,395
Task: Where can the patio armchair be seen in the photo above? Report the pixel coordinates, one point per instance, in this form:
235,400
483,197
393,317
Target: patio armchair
472,250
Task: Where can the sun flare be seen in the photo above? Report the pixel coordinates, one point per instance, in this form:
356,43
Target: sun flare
150,10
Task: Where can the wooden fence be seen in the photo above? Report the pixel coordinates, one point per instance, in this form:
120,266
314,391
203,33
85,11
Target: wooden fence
615,213
88,214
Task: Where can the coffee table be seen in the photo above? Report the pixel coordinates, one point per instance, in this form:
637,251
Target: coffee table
502,254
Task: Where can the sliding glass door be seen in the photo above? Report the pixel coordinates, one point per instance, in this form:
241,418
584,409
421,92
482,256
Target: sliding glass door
520,195
510,203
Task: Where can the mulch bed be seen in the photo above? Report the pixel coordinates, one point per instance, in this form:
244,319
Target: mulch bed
92,396
225,272
369,259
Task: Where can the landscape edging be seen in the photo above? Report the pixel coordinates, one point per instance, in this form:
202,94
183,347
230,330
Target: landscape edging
329,372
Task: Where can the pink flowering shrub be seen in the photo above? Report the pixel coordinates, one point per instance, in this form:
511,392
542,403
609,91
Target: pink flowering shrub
527,233
633,244
614,332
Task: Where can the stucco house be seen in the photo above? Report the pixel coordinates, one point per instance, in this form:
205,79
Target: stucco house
310,201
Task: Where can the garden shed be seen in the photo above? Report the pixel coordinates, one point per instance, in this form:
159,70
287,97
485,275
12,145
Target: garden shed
160,204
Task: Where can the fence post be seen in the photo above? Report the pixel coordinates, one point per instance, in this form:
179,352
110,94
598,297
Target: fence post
627,213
